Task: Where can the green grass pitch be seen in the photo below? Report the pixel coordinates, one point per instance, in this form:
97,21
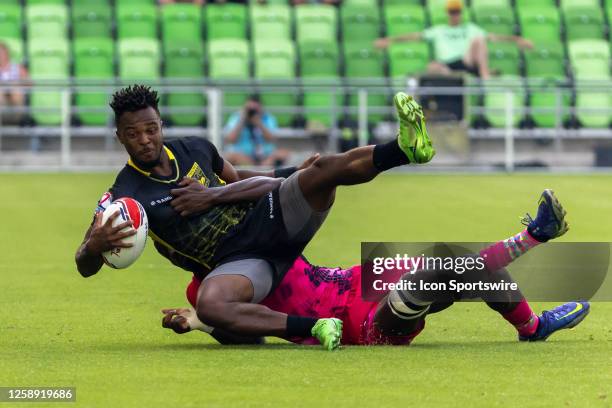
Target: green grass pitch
103,334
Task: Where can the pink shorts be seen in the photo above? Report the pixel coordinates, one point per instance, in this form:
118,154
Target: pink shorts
313,291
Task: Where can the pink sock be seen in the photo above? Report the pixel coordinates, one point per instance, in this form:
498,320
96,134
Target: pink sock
523,318
503,252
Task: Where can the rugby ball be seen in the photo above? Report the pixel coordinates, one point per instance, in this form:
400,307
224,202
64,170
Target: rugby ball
129,209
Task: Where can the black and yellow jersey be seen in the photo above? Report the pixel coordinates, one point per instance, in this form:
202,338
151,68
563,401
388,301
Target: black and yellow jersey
196,237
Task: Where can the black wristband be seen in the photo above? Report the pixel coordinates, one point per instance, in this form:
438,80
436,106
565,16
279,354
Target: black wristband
284,172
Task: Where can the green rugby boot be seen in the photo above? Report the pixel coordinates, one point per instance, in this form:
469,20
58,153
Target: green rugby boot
412,138
328,332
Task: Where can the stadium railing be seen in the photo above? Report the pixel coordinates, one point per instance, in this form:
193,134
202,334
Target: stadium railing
363,88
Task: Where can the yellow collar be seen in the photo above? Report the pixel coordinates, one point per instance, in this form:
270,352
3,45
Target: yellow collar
148,173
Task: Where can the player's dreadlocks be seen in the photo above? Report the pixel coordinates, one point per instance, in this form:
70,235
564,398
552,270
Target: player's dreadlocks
132,99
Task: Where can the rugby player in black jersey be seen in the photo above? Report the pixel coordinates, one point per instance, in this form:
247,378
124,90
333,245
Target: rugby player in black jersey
190,195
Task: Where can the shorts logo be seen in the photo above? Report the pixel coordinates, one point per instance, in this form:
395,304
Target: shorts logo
271,201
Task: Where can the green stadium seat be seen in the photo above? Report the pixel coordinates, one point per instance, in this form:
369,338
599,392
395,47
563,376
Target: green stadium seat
319,63
91,20
185,61
316,22
10,21
93,61
121,3
80,3
274,60
47,21
362,62
404,18
543,94
505,58
229,59
319,59
545,67
540,23
496,20
583,22
366,3
567,5
360,24
589,98
590,59
546,60
495,100
15,46
522,4
226,21
136,21
402,2
48,60
476,4
139,59
270,22
181,23
406,59
45,2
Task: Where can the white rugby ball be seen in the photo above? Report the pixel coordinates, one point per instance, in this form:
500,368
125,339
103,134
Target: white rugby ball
129,209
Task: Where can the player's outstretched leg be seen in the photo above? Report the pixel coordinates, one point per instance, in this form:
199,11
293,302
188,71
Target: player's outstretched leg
561,317
413,145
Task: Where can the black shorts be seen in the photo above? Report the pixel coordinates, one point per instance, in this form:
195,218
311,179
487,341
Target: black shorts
459,65
276,230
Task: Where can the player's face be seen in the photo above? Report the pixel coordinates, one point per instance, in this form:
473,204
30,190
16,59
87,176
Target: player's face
140,133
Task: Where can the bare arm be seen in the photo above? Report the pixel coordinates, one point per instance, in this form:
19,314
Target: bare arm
384,42
194,198
233,134
518,40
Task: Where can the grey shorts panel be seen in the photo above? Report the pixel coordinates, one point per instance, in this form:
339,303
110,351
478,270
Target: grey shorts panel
258,271
301,221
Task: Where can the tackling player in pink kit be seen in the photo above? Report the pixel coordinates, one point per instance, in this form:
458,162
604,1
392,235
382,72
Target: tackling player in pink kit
315,291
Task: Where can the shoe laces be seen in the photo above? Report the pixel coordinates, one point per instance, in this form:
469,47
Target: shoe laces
557,312
526,220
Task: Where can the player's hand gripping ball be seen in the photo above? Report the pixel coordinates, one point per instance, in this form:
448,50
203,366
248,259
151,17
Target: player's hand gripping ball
129,210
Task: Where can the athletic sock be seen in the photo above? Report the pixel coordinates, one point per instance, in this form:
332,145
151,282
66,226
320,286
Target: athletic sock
523,319
388,155
298,326
405,306
503,252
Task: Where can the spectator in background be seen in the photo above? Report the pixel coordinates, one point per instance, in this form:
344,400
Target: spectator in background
250,137
458,46
11,72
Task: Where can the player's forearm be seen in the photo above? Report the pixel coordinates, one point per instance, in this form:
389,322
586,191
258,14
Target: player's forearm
245,174
88,264
250,189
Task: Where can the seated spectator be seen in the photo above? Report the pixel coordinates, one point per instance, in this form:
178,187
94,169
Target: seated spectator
458,46
12,98
250,137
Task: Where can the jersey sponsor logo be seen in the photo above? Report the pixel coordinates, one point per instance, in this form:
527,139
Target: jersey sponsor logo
197,173
160,201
